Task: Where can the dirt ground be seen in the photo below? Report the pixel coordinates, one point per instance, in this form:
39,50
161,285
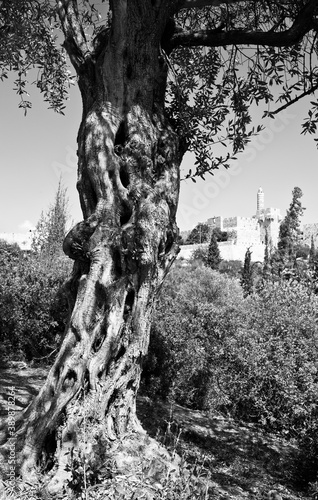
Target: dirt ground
23,382
242,462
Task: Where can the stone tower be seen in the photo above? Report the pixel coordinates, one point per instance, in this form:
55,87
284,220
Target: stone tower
260,203
269,220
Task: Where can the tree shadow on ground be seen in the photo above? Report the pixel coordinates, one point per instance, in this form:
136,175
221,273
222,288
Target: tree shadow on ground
241,460
21,384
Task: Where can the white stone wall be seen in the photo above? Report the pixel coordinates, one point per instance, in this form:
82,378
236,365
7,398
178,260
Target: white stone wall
242,230
274,232
228,251
186,251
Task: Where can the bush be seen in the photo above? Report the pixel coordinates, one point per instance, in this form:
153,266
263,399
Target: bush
200,254
183,339
252,358
33,306
271,373
232,268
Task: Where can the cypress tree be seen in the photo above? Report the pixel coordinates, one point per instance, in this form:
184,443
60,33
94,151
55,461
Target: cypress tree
312,253
247,274
289,230
214,257
266,265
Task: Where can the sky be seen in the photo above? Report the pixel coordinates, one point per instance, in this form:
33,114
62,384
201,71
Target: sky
36,149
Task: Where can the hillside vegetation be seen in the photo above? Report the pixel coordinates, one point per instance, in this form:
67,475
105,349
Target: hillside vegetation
230,382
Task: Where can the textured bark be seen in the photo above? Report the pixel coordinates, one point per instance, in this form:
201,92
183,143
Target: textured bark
128,182
303,23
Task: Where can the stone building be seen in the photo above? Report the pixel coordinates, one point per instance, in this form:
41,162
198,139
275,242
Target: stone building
240,230
248,232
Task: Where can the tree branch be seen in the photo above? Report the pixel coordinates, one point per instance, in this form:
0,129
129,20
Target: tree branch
311,90
189,4
75,41
303,23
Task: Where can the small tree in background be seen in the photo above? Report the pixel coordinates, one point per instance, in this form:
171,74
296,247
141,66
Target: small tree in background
289,233
247,274
200,234
214,257
220,235
200,254
267,263
51,228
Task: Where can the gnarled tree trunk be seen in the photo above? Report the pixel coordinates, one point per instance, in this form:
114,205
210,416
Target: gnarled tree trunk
128,181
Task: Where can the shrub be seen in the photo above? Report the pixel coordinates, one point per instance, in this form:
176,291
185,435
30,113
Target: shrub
183,339
270,374
200,254
33,306
252,358
232,268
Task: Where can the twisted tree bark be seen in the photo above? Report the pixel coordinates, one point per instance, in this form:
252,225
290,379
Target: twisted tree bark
128,182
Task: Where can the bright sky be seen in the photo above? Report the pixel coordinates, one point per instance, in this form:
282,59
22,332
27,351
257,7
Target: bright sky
37,148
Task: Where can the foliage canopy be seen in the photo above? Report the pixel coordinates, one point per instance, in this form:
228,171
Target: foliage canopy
199,234
223,58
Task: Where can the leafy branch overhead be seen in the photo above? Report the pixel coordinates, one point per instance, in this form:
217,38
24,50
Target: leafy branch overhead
29,41
230,57
223,58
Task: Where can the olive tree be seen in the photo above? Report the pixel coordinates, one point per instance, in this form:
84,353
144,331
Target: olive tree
157,78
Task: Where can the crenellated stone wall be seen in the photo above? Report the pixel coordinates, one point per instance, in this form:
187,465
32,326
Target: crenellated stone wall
249,231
